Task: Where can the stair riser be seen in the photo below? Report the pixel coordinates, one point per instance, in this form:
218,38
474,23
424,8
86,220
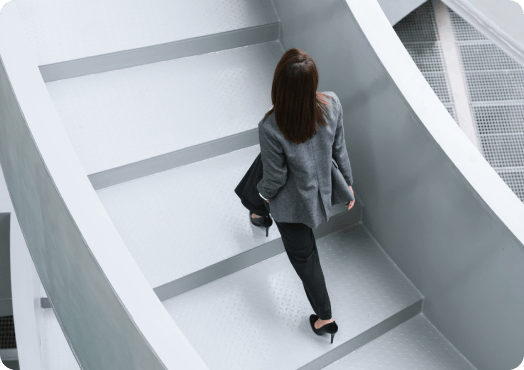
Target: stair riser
365,338
158,53
251,257
174,159
167,291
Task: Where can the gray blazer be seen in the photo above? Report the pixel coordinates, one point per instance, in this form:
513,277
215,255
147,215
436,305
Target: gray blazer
297,177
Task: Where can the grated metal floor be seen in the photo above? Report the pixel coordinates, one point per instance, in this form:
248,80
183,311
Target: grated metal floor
258,318
494,81
418,32
415,344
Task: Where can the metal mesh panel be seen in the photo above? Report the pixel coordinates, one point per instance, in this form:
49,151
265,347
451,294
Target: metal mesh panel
463,30
485,56
451,109
495,85
427,56
418,26
504,150
499,119
418,33
439,84
515,180
7,332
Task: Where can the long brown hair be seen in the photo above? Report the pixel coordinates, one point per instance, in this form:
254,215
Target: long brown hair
296,103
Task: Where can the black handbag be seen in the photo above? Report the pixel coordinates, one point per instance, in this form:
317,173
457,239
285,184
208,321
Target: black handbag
340,191
247,189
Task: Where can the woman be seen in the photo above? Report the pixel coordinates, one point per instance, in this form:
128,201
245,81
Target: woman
298,138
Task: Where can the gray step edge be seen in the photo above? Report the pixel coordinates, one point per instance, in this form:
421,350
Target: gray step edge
157,53
337,222
340,219
366,337
168,161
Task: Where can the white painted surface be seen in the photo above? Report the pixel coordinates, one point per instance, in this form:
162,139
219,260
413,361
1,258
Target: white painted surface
82,261
61,30
26,301
183,220
120,117
415,344
258,318
25,287
395,10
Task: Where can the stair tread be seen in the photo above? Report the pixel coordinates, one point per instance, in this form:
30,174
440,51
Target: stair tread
182,220
60,30
123,116
178,221
258,318
415,344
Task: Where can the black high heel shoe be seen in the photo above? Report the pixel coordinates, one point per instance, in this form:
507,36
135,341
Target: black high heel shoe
265,221
330,328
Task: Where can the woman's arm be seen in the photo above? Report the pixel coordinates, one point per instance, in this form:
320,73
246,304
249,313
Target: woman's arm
273,164
339,148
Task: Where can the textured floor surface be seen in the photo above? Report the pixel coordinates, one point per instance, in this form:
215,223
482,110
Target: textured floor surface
413,345
257,318
127,115
182,220
61,30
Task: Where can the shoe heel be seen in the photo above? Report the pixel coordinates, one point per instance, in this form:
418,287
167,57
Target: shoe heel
332,336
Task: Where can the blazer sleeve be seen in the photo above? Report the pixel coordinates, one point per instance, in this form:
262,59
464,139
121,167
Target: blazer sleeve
273,164
339,148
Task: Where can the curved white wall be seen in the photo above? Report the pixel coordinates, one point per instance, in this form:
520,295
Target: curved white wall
430,198
107,310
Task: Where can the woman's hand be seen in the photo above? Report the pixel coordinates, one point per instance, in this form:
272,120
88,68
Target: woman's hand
267,200
352,203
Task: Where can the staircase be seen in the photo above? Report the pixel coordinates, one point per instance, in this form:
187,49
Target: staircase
161,101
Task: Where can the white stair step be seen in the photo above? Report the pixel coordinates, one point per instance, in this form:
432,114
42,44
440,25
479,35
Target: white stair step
179,221
184,220
61,30
54,351
129,115
415,344
258,318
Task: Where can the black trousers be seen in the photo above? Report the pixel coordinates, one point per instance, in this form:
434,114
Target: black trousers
301,248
